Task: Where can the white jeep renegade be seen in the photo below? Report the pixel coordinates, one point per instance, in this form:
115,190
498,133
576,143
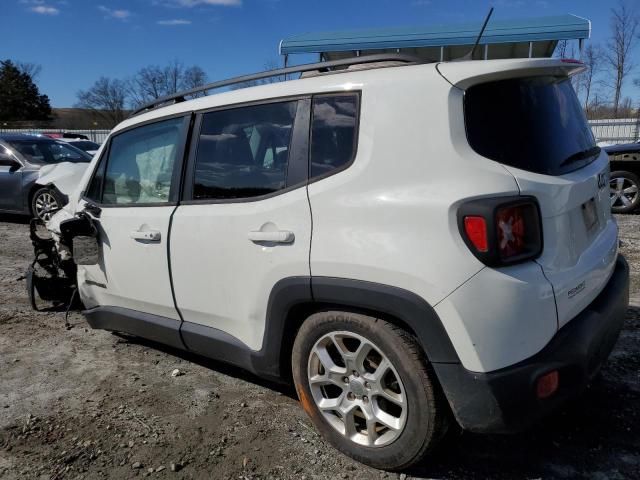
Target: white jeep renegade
414,244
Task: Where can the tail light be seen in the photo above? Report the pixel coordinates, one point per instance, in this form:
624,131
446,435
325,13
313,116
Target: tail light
502,231
476,230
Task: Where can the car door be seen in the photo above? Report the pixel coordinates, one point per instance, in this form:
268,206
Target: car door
10,182
132,194
245,221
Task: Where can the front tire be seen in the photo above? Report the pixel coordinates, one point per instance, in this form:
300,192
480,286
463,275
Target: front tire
368,389
45,202
624,193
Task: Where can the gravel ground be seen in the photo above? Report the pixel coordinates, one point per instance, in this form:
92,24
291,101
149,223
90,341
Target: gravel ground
89,404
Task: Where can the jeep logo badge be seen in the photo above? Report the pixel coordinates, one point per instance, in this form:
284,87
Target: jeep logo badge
602,180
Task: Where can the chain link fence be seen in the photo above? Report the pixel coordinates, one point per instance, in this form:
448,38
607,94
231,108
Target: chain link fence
614,131
97,136
611,131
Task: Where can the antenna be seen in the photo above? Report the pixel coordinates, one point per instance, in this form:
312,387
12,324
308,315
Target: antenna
469,56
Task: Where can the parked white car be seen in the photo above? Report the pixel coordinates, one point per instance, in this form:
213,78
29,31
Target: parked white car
415,246
86,145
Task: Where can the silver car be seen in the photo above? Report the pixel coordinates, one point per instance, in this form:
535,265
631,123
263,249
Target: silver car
21,158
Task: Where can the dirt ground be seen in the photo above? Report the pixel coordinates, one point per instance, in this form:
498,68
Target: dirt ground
81,403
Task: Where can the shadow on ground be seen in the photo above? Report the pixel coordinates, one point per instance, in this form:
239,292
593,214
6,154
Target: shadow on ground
14,218
594,436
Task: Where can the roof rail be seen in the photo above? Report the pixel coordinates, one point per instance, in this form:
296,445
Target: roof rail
180,96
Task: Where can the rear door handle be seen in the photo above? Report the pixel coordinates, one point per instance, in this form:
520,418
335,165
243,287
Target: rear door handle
279,236
146,235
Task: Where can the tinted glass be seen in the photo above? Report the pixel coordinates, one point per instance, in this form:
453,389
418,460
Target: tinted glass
94,192
141,162
333,132
48,151
536,124
244,152
86,145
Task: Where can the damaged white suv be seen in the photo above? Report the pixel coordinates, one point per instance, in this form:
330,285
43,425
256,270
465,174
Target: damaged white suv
414,244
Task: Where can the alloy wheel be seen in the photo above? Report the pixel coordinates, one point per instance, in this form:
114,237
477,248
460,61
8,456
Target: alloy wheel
623,191
357,389
45,206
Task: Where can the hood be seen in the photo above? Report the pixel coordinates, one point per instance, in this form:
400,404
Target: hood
64,176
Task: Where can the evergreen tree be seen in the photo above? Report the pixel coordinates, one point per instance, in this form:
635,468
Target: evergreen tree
20,98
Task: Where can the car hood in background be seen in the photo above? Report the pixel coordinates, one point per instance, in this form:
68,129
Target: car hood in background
624,148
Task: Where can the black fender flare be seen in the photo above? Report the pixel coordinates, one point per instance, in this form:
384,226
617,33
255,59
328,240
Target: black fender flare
378,299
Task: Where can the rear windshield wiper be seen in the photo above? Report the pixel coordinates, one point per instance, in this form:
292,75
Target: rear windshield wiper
582,155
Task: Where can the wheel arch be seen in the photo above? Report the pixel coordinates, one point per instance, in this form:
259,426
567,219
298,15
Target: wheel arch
293,300
37,186
625,166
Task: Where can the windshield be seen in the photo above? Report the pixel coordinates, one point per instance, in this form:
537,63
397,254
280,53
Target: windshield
535,124
48,151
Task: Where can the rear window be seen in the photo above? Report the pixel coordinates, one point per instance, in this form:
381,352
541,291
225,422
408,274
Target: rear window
535,124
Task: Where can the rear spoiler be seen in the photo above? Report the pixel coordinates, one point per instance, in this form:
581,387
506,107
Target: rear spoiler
465,74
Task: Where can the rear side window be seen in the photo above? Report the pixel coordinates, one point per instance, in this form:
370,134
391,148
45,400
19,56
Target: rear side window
140,165
333,132
535,124
244,152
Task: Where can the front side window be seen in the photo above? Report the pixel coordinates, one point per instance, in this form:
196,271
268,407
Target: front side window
139,165
333,132
243,152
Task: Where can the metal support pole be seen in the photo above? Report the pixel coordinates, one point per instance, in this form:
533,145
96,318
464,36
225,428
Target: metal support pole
286,60
442,54
486,51
580,46
530,49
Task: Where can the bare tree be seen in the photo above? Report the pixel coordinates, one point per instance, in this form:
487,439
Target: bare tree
107,97
566,49
592,59
194,77
146,85
268,65
624,27
31,69
153,82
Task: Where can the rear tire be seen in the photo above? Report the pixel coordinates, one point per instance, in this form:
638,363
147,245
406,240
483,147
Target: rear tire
45,202
624,193
368,388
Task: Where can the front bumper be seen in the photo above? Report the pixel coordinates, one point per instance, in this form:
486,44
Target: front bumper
505,400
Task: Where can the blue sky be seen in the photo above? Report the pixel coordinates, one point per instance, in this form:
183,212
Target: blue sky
77,41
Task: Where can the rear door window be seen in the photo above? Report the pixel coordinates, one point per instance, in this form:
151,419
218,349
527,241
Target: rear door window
244,152
535,124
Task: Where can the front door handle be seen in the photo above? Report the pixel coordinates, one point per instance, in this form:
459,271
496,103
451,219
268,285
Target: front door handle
279,236
146,235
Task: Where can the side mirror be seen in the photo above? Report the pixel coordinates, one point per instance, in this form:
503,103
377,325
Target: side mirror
7,160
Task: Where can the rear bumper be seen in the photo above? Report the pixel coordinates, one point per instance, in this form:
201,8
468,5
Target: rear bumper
505,400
